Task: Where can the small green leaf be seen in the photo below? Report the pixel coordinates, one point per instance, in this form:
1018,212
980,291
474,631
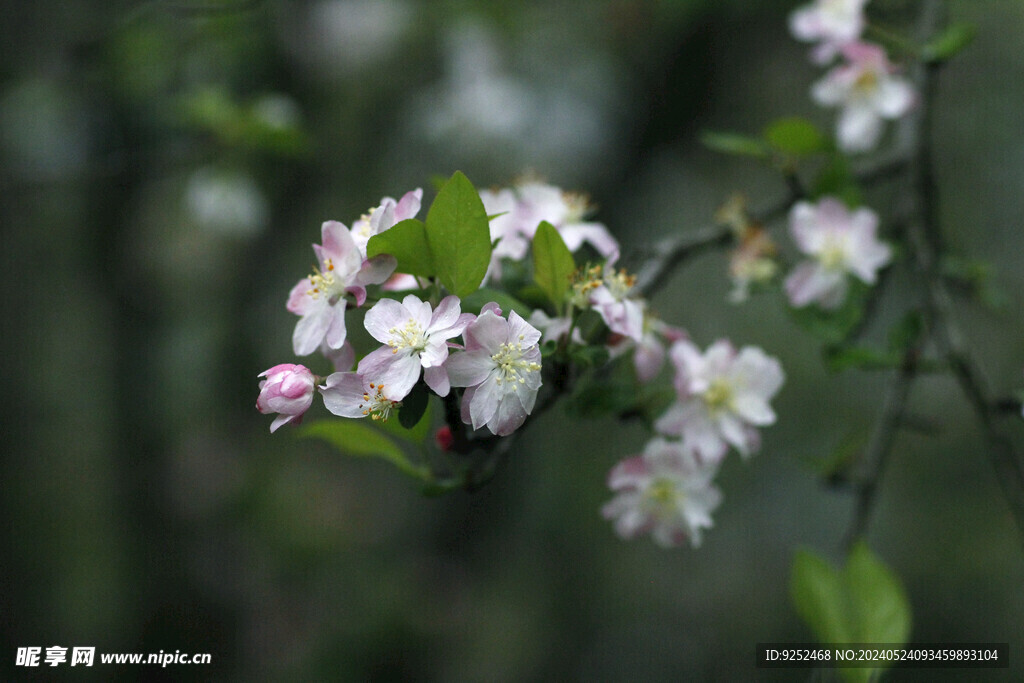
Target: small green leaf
882,611
506,302
414,405
907,332
415,435
819,596
862,603
836,179
598,398
357,438
592,327
842,357
733,143
459,236
407,242
834,465
795,136
590,356
833,327
553,265
948,43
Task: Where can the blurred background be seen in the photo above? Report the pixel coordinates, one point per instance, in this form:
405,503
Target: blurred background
165,166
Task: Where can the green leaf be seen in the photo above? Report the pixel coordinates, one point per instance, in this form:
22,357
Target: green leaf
599,398
882,611
407,242
948,43
592,327
836,179
834,465
360,439
417,434
459,236
553,265
819,596
475,301
862,603
907,332
842,357
414,405
833,327
590,356
733,143
795,136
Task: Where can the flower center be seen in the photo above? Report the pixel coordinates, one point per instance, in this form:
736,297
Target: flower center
718,396
409,336
322,283
376,406
511,366
619,283
664,495
577,205
833,255
866,83
365,228
584,281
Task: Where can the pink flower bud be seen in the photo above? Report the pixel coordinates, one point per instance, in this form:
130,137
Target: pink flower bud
444,438
287,390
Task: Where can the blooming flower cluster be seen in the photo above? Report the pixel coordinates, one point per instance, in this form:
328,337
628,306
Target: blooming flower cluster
489,365
519,209
865,86
839,243
722,396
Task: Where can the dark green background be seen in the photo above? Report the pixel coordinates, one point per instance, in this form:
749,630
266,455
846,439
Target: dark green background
145,505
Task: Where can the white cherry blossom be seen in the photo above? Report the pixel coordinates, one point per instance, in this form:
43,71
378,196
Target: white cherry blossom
666,492
501,370
414,337
867,92
721,397
840,243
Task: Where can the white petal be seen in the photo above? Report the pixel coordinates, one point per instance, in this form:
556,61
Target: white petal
484,403
437,379
859,128
894,97
468,368
385,315
343,394
310,330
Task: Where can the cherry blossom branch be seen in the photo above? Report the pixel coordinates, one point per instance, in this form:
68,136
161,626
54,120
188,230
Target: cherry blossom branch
925,242
879,447
926,235
670,252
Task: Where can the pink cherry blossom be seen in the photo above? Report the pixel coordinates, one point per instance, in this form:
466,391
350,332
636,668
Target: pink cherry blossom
839,242
287,390
342,359
349,394
666,492
322,297
721,397
501,370
385,216
831,23
507,229
867,91
611,298
649,351
565,211
415,337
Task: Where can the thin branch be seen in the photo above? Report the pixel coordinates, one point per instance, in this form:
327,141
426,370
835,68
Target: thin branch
926,242
670,252
876,453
